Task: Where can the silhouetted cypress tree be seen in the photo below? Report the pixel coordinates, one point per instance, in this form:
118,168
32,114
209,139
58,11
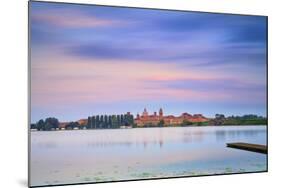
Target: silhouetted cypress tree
101,121
118,121
94,122
122,119
114,122
89,123
110,121
97,121
105,121
131,120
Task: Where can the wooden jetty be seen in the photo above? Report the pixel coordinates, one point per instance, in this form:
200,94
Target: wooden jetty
249,147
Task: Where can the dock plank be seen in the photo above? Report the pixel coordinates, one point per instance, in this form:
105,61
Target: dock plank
248,146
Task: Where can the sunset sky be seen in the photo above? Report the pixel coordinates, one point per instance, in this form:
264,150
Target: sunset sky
89,60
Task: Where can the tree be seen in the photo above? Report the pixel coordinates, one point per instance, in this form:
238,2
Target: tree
122,119
125,119
200,123
97,121
94,122
128,119
76,124
110,121
51,123
219,119
101,121
33,126
249,116
69,126
118,121
131,119
48,126
40,125
114,122
186,123
105,121
219,116
72,125
89,123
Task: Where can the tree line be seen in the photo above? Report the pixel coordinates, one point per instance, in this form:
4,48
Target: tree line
46,125
249,119
94,122
116,121
110,121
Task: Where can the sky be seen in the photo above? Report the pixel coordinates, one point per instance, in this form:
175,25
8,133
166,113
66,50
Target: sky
93,60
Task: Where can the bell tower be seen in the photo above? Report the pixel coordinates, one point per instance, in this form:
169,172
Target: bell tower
161,112
145,113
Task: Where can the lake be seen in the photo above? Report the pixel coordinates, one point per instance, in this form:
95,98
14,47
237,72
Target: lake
80,156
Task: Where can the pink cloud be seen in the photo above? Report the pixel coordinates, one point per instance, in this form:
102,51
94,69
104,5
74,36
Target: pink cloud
61,80
187,76
74,19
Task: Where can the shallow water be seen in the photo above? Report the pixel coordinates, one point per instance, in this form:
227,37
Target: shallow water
79,156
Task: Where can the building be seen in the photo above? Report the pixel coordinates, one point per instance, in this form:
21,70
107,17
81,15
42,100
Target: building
62,125
154,120
83,122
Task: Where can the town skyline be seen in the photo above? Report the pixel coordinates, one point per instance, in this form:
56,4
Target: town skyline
155,113
146,119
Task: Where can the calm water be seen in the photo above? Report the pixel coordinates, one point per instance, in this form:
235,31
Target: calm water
60,157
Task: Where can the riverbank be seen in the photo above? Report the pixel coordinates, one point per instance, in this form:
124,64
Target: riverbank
34,130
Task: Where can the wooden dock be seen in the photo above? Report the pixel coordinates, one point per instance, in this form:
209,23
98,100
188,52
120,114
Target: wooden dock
249,147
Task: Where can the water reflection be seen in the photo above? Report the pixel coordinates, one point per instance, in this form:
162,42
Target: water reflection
108,144
221,135
193,136
103,155
105,144
46,145
144,137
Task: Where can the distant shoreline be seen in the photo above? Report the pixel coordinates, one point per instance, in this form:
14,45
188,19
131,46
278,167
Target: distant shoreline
191,126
